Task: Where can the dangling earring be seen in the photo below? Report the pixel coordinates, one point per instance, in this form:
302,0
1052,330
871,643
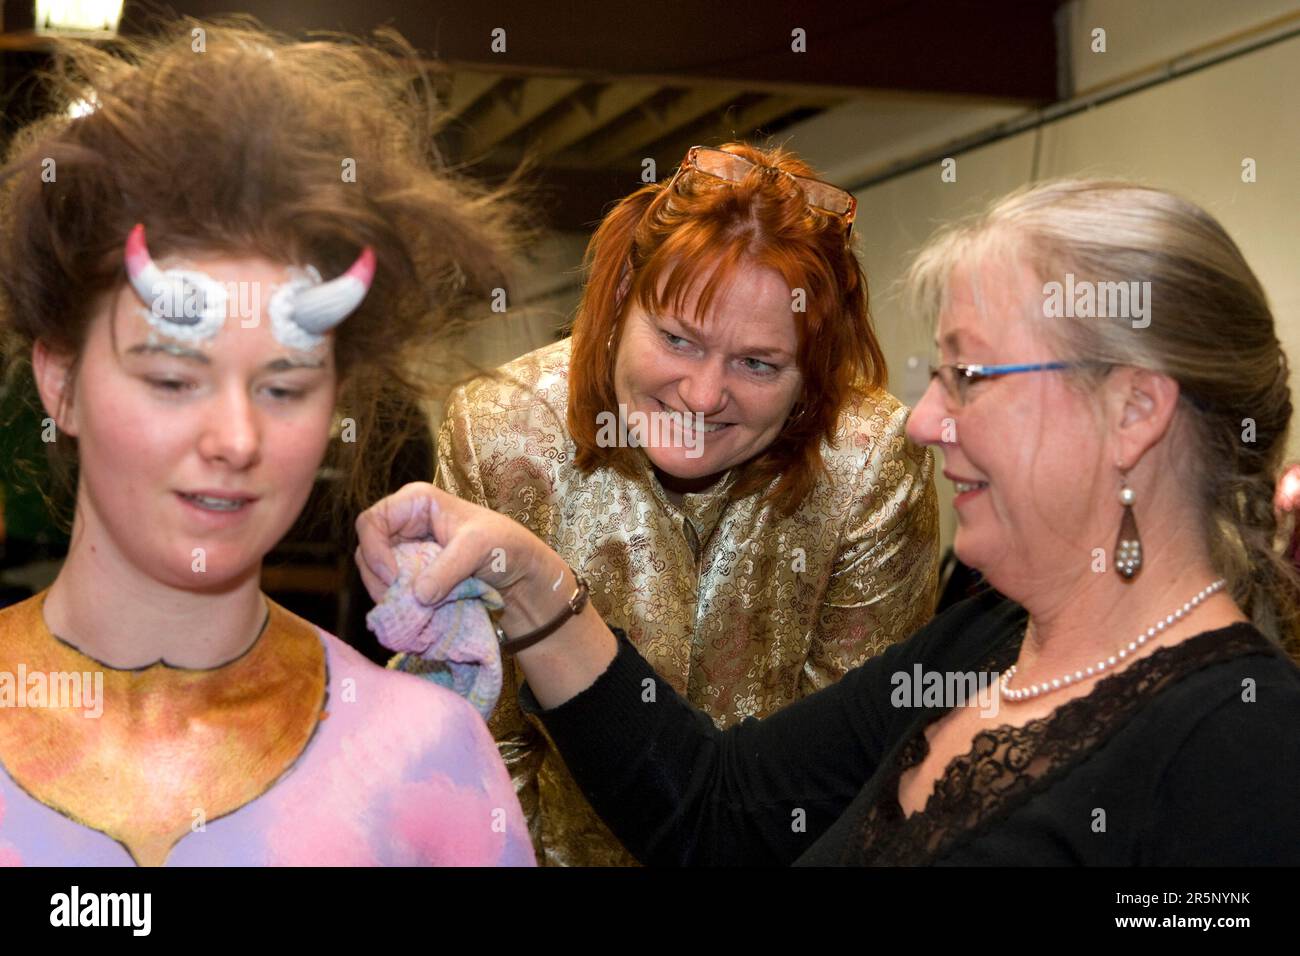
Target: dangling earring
1128,546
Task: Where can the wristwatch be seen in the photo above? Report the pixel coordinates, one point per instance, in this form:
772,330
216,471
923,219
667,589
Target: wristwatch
577,601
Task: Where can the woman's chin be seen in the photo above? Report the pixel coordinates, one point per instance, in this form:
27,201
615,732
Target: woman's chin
968,550
675,463
207,571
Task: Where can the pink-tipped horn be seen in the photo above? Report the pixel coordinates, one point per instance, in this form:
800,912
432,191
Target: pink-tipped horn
150,283
321,307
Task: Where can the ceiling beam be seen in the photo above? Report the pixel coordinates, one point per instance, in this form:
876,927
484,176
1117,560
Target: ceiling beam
764,85
584,114
739,124
466,90
654,123
510,110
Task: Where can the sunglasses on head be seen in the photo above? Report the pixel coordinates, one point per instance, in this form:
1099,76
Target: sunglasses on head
732,168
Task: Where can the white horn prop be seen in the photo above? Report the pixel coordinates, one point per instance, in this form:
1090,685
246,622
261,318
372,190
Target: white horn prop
321,307
163,294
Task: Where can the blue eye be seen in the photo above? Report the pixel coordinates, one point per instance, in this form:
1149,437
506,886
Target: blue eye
763,368
676,341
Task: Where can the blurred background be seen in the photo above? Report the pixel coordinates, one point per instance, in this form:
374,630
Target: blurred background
924,109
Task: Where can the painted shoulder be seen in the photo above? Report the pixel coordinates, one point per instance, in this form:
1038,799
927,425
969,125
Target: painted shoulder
405,707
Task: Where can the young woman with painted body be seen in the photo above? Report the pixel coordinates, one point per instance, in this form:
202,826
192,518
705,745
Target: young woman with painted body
168,287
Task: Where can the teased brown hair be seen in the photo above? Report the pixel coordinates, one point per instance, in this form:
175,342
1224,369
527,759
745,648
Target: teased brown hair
240,148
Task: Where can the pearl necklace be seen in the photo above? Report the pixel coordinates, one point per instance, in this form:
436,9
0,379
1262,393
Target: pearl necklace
1036,690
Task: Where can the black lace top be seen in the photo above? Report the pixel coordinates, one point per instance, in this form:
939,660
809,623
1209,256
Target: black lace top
1189,755
1007,766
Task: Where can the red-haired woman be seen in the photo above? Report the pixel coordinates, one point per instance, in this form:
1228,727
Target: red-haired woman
732,480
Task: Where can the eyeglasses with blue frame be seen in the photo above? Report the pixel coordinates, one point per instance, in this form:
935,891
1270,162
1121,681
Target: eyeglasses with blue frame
957,379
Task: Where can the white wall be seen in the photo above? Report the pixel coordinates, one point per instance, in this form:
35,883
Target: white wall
1144,33
542,300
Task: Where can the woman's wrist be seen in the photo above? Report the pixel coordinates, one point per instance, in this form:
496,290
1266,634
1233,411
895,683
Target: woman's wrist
532,604
513,644
569,660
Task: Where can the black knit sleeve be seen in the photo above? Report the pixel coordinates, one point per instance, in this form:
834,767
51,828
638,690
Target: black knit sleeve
678,791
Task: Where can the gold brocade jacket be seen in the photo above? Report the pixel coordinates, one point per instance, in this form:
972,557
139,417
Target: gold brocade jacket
740,610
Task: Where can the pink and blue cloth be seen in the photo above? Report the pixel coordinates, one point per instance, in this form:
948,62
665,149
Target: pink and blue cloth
453,642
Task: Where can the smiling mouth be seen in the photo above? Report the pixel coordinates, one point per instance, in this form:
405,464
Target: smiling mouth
965,486
687,422
210,503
